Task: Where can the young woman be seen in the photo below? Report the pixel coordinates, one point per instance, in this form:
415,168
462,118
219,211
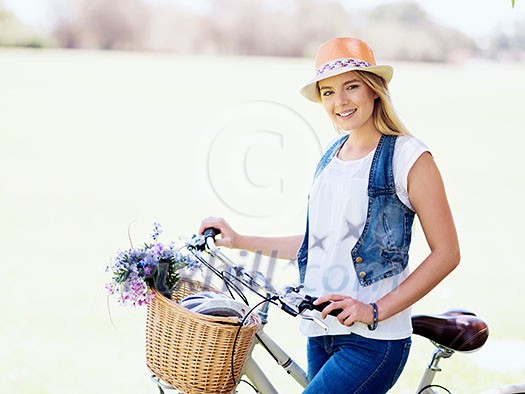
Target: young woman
369,185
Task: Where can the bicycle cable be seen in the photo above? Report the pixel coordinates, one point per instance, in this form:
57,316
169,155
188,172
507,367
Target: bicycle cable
229,285
241,325
431,386
250,288
249,384
223,275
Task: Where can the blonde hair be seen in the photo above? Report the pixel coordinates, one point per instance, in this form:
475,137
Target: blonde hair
384,115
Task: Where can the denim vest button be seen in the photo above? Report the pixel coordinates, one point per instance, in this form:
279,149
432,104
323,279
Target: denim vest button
358,259
362,274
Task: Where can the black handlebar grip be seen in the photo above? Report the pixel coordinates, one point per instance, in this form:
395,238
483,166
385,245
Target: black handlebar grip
320,308
211,232
308,303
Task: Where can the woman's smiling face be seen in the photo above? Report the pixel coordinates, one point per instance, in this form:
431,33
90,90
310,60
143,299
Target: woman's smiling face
347,100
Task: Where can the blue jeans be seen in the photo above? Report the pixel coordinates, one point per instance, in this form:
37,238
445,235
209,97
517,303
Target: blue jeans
352,364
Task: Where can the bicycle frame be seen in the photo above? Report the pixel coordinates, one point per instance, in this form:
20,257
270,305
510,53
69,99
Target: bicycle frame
441,352
429,374
257,376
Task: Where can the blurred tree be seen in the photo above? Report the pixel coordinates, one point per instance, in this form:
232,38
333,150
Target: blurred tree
317,21
266,27
272,28
118,24
398,31
404,31
175,29
14,33
507,43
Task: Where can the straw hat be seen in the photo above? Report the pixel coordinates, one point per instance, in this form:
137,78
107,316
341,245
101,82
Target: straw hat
340,55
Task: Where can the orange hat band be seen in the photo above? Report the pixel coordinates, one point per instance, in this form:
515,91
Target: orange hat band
340,63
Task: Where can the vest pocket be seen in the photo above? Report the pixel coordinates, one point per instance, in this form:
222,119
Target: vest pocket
394,262
396,257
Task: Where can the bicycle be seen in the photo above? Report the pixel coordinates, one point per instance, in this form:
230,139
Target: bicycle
453,331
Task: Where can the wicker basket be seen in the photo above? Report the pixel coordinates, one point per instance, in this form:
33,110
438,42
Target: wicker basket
193,352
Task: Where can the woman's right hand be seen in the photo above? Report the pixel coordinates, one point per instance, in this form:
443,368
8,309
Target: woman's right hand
228,236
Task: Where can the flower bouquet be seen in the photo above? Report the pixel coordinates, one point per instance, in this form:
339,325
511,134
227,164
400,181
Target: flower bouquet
154,265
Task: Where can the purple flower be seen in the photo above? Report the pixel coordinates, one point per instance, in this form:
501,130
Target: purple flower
133,269
157,230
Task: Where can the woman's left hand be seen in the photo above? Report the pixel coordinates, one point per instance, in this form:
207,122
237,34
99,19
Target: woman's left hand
352,310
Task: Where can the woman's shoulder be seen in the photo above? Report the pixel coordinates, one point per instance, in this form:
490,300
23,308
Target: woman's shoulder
407,144
407,150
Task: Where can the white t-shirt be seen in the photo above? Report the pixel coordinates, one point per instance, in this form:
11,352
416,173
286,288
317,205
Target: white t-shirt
337,215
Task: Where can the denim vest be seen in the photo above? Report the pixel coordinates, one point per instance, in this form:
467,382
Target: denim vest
382,249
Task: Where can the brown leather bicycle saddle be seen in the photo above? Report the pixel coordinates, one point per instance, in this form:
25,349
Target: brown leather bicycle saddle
457,329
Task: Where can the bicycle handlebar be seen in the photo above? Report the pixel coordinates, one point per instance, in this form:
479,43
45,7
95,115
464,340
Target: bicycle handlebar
292,301
209,235
308,303
211,232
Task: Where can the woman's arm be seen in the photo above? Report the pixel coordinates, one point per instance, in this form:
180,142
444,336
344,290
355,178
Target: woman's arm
280,247
427,195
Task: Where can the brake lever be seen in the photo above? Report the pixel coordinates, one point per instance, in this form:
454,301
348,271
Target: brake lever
298,302
295,304
316,321
197,242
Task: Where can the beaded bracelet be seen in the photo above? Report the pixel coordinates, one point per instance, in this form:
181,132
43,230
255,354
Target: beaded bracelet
375,319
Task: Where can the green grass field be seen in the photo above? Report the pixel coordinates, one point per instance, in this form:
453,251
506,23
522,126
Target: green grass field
93,142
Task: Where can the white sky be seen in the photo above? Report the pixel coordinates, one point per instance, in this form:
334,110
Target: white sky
474,17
